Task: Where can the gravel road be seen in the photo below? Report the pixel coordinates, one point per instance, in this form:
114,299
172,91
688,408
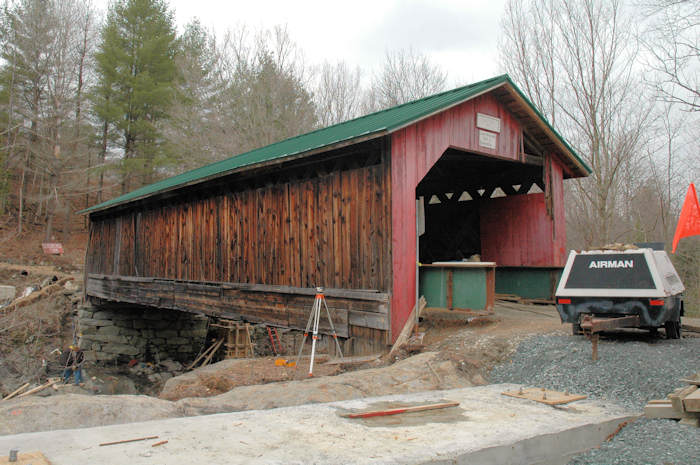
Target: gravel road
632,368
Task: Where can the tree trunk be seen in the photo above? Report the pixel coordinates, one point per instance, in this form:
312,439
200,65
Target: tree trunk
103,155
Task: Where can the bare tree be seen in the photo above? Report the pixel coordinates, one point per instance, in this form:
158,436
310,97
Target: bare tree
268,99
586,79
672,39
43,56
338,94
406,75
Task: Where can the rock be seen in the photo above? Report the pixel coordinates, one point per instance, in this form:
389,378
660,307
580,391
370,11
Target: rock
96,322
109,331
80,411
171,365
121,349
71,287
7,294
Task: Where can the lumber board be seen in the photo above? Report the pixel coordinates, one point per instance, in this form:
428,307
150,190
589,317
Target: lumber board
691,402
358,359
124,441
662,411
26,458
16,391
37,389
34,296
678,396
545,396
408,326
399,410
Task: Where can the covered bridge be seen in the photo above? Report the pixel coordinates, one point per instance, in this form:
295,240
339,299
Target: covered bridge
477,168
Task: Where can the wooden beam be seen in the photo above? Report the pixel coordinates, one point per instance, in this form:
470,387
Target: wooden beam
360,294
408,327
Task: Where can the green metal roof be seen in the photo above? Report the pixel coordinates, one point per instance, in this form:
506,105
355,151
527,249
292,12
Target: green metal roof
381,122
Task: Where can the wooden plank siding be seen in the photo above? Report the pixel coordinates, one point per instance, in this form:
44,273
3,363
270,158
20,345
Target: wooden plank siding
275,305
414,151
328,229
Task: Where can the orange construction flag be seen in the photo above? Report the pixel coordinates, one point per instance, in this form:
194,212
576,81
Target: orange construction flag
689,221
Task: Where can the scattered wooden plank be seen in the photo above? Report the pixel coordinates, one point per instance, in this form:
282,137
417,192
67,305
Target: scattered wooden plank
677,398
34,296
15,392
691,402
358,359
212,352
665,410
26,458
159,443
202,355
396,411
545,396
37,389
124,441
408,327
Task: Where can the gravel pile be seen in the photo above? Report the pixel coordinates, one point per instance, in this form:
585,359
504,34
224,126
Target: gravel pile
631,369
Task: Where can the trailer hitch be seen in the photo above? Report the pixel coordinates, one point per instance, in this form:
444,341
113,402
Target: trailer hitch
593,326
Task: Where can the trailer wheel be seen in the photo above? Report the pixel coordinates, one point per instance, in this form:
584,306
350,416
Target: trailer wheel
673,329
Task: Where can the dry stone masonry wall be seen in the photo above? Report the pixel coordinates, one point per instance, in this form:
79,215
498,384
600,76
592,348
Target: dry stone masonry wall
119,333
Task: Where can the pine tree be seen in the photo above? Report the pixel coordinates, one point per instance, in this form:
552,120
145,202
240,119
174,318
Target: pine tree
136,72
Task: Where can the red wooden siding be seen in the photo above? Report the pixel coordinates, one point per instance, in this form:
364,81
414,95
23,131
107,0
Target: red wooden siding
414,150
330,231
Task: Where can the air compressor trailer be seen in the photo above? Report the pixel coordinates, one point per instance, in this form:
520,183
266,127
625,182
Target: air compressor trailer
630,288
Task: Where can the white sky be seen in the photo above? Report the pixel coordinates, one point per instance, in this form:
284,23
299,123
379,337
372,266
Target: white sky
460,36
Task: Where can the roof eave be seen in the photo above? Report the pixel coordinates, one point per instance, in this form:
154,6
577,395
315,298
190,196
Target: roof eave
290,157
578,163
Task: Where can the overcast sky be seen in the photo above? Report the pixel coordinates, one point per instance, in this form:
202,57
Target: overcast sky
461,36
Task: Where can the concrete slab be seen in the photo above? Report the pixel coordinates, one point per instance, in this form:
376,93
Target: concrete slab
486,428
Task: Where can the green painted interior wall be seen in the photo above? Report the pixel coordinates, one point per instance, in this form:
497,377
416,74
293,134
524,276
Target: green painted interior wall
468,287
529,283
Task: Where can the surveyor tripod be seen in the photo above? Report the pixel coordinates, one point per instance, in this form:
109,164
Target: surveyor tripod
312,324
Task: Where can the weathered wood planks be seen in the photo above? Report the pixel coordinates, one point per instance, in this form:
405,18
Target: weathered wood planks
328,230
277,305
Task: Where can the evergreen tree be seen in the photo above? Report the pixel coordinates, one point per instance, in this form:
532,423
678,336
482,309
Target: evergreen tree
136,73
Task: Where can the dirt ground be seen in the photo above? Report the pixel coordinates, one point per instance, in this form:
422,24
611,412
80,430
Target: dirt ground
25,249
454,354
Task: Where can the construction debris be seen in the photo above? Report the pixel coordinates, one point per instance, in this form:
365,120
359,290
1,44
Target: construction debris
682,404
238,342
124,441
396,411
545,396
15,392
408,327
206,356
49,383
34,296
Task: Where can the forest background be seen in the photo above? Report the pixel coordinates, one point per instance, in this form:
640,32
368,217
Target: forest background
96,103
